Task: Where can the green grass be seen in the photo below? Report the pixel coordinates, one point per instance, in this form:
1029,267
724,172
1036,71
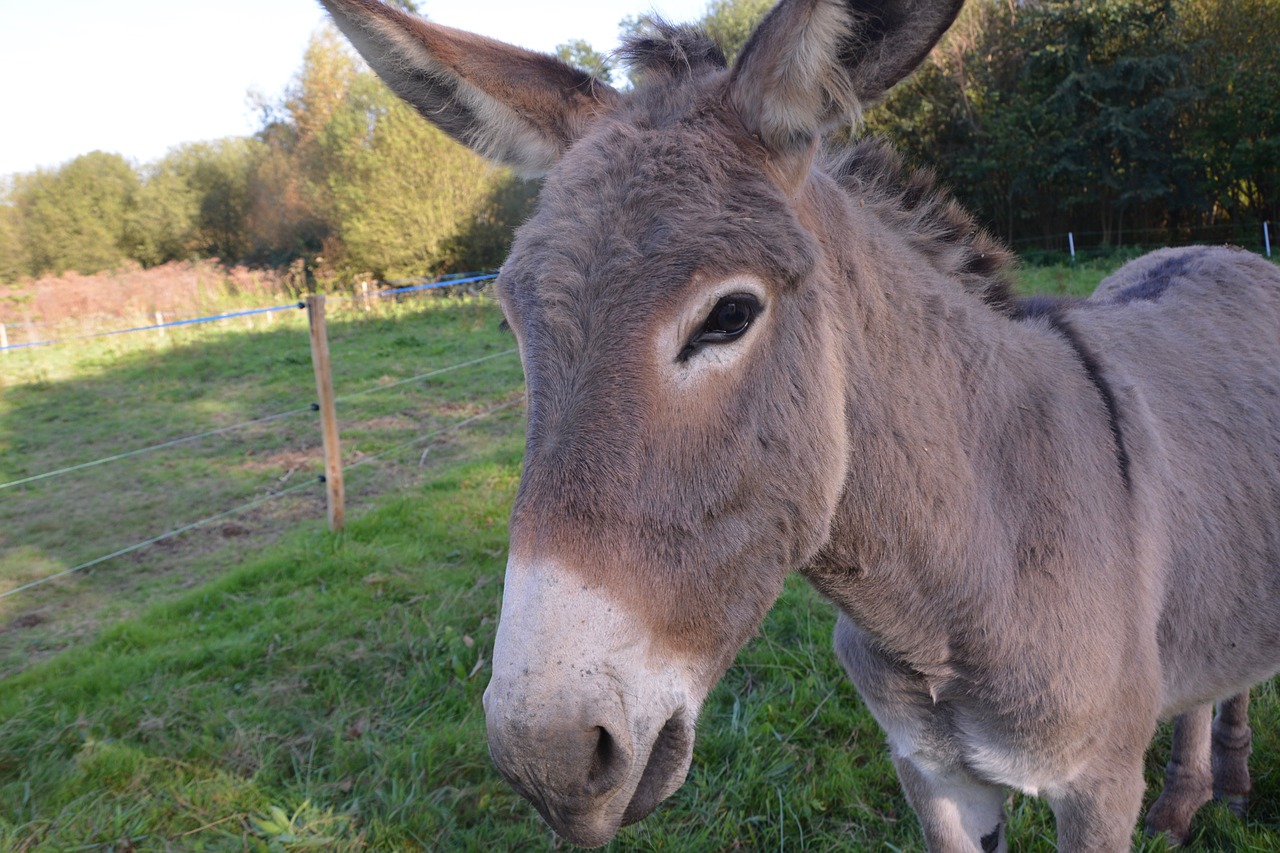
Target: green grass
323,691
345,672
77,403
1065,279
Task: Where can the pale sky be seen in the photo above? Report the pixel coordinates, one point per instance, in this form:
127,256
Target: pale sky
137,77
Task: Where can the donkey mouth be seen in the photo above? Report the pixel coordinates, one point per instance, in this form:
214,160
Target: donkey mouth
595,822
664,773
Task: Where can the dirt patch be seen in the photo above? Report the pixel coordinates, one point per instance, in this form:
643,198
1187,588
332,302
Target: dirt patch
26,620
73,610
402,423
291,461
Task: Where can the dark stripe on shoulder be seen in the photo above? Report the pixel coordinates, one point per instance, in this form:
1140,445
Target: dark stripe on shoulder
1158,279
1053,312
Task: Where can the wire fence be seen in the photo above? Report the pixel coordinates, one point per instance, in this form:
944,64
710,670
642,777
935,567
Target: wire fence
398,290
138,546
401,290
313,407
164,445
423,439
157,326
1096,243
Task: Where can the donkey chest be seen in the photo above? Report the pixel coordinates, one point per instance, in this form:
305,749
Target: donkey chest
948,742
940,722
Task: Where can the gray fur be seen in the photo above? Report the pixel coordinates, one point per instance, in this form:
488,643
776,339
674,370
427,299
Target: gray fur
1046,526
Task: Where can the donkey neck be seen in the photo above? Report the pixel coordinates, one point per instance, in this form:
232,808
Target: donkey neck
975,441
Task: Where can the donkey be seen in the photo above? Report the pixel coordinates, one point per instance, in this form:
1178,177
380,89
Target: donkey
1045,524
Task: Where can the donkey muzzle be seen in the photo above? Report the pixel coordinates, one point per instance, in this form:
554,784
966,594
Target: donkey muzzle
580,720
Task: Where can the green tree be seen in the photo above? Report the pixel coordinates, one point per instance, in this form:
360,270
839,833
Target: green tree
731,22
291,210
73,218
1057,116
13,262
328,70
163,222
1114,73
220,177
580,54
1232,133
404,193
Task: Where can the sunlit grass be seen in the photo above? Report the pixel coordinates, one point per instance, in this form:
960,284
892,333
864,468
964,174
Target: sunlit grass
1064,279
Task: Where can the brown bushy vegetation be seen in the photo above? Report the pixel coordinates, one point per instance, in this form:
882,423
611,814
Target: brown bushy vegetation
131,294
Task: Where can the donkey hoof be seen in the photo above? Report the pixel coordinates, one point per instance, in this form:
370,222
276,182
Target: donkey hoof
1177,836
1172,820
1238,803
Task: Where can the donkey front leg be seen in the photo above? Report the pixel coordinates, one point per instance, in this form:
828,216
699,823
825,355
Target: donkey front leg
1232,743
1188,783
958,813
1098,810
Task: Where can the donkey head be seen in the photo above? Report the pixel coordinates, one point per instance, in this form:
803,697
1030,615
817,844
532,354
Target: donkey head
673,303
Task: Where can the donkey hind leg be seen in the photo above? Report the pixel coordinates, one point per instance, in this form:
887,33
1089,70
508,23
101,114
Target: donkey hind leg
1188,783
1232,743
958,813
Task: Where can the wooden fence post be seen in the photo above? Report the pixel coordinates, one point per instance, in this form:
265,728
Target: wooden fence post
328,417
160,325
4,340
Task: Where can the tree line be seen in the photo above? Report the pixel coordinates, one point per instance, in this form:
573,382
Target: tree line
1140,120
342,180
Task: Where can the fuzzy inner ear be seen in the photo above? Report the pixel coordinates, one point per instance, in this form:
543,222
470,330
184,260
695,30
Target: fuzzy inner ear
812,65
515,106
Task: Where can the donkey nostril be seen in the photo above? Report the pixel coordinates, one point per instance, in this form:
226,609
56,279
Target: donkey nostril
607,763
602,758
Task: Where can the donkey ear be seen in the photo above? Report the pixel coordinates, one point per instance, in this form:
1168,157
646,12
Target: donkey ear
814,64
520,108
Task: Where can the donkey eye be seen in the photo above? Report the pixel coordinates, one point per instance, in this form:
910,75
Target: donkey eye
731,316
727,321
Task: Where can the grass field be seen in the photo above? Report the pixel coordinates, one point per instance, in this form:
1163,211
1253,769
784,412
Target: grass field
264,684
72,404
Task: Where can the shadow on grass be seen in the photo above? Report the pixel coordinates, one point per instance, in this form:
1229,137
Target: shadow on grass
126,395
341,670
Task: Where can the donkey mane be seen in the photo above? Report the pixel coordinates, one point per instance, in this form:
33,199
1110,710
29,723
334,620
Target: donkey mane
666,50
933,222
